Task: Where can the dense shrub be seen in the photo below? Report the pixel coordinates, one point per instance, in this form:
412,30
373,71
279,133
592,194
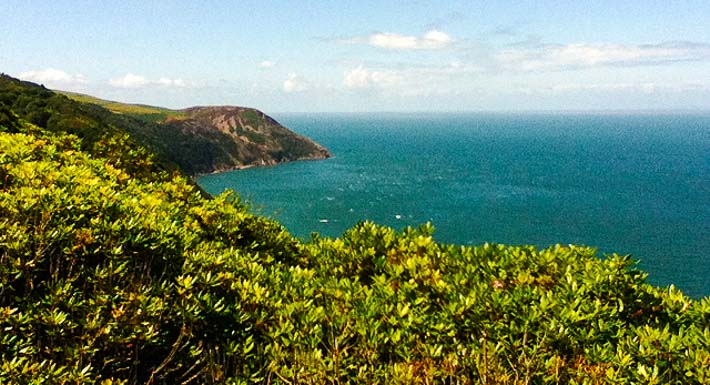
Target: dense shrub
103,134
108,278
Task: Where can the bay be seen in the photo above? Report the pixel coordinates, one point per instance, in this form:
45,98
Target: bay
635,184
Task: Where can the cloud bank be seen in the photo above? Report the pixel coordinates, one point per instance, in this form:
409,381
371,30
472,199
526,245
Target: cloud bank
52,77
128,81
581,55
131,80
363,78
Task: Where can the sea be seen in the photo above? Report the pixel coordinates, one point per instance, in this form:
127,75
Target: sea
632,184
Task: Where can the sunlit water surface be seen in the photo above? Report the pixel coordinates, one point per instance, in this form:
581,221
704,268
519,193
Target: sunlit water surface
630,184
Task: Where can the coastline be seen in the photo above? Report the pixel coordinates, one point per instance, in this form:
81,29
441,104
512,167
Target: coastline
263,164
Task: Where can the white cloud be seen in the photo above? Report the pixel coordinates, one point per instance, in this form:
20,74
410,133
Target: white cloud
52,77
267,64
416,81
431,40
573,56
392,41
294,83
362,78
129,81
167,82
437,38
357,78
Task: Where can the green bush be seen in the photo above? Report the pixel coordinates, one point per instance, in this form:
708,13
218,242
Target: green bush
110,278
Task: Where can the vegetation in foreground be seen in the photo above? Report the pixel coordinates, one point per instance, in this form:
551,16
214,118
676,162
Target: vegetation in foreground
110,278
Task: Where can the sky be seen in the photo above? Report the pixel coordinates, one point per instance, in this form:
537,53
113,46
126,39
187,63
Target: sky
360,56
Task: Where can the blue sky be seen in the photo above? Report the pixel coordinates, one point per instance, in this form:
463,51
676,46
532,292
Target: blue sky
286,56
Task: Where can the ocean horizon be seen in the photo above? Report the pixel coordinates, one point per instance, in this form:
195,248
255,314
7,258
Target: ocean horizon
629,183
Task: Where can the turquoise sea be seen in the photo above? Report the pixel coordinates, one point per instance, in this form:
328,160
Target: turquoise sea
634,184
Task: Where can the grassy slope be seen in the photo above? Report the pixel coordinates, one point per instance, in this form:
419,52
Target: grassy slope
150,113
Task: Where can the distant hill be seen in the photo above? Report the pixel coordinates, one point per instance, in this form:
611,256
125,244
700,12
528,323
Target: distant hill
196,140
209,139
239,137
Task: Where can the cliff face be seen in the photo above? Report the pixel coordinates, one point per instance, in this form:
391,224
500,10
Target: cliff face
228,137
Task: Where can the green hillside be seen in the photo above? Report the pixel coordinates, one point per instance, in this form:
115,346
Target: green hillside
114,272
140,111
104,134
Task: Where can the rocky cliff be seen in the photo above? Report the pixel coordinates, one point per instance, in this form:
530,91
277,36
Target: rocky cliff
229,137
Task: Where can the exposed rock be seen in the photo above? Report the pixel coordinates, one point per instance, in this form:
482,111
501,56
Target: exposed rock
227,137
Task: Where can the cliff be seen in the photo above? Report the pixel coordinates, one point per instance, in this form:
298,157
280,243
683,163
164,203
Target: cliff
228,137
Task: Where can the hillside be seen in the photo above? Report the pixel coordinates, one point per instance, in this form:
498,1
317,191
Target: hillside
197,140
103,133
140,111
211,139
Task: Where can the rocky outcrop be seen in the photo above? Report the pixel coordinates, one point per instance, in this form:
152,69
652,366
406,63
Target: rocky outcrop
229,137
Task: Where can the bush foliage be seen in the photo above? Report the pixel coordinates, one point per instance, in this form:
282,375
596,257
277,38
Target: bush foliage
113,279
